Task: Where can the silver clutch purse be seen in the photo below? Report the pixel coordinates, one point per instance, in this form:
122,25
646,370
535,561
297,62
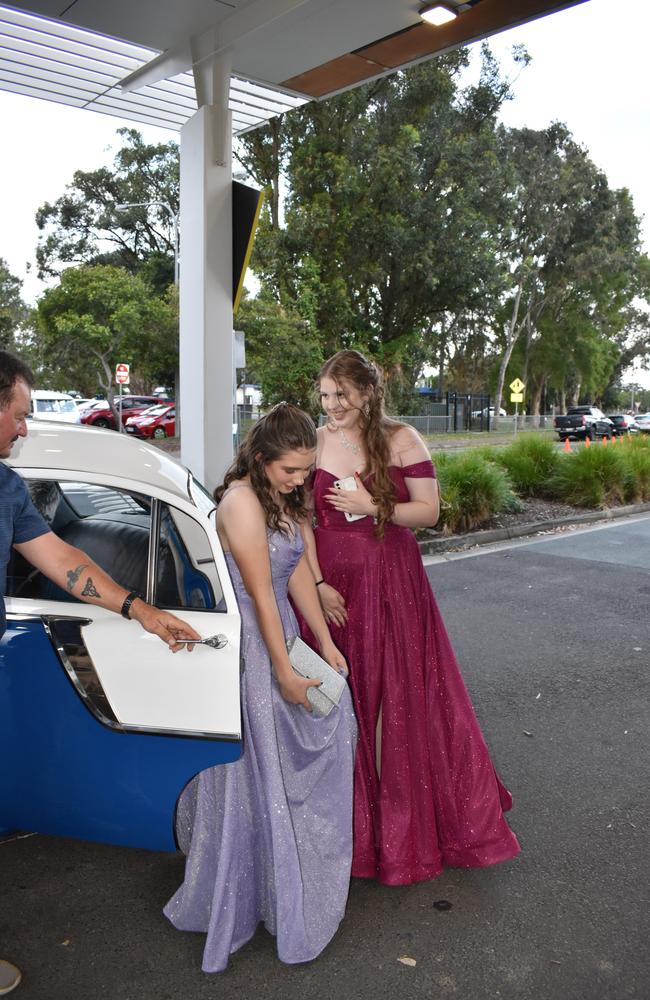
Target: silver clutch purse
309,664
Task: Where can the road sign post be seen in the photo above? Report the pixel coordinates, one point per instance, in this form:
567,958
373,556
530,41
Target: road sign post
517,396
122,377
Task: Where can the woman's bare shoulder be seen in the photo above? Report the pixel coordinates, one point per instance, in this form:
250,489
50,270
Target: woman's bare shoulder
239,498
407,446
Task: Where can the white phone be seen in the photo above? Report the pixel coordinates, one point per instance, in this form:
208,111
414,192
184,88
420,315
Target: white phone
348,483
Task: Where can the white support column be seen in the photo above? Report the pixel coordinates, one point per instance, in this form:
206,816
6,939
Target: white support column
206,318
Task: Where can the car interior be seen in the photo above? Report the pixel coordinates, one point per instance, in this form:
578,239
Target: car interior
113,527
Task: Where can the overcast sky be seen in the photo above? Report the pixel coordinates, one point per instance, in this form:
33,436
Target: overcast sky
589,69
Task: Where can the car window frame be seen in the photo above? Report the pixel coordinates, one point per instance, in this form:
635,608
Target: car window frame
158,497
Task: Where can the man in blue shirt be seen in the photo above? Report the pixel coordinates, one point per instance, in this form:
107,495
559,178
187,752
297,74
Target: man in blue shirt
23,528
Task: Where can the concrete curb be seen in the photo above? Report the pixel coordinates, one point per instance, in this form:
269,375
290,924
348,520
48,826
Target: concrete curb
446,543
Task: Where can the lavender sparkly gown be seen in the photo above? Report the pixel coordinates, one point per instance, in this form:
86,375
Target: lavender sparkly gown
269,838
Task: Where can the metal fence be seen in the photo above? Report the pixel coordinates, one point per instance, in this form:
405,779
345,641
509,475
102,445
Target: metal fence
429,425
456,414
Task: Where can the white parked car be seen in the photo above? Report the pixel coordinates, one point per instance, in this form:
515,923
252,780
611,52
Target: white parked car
58,406
102,724
484,412
643,422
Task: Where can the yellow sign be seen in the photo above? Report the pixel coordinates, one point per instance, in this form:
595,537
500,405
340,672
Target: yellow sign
517,386
516,397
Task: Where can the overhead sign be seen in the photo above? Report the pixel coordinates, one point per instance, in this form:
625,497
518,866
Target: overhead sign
517,386
122,376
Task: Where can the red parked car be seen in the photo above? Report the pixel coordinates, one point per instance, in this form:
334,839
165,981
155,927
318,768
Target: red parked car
101,415
157,421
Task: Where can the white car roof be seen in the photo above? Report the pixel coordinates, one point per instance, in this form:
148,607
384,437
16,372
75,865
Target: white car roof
79,449
50,394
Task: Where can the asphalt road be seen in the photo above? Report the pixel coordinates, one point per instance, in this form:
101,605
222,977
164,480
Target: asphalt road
554,640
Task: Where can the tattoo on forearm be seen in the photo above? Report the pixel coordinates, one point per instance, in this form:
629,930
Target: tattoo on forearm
73,575
90,589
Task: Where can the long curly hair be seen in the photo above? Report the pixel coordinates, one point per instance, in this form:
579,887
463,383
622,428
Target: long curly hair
284,428
377,429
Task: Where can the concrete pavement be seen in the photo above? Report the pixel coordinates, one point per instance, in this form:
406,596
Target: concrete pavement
553,639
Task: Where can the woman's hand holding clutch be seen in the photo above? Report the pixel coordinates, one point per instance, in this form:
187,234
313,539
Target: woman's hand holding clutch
335,658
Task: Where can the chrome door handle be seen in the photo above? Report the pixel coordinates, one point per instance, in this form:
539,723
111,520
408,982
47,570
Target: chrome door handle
214,641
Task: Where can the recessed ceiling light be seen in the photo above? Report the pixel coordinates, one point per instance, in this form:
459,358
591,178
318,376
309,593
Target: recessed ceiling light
438,13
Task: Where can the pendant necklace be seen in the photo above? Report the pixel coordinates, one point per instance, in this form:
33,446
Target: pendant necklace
349,445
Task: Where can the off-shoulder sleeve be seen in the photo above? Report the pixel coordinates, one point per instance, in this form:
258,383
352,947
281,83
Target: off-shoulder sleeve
419,470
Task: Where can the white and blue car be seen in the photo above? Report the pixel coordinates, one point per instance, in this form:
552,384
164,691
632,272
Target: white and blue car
101,726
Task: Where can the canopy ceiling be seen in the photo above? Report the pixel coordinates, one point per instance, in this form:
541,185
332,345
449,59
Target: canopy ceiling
136,59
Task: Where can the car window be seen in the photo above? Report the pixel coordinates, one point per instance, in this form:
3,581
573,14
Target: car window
186,571
56,405
111,526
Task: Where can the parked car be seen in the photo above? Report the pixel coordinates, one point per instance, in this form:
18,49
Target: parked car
156,421
101,415
488,410
101,726
643,422
583,422
49,405
623,423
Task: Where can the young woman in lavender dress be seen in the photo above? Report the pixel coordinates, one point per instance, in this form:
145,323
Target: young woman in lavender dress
269,838
426,794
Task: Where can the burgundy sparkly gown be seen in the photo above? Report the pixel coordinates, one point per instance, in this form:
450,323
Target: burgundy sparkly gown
439,801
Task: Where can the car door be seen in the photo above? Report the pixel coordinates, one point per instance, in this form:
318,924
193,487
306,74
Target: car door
101,726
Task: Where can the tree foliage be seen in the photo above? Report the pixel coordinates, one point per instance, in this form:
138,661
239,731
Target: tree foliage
14,313
393,206
83,225
403,220
282,352
100,315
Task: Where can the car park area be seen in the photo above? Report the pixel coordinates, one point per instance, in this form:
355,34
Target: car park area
157,421
101,415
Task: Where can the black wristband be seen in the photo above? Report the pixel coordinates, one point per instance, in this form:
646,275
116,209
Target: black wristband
128,601
318,582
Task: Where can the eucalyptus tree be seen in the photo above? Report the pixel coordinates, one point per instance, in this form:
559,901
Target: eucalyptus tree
83,225
385,209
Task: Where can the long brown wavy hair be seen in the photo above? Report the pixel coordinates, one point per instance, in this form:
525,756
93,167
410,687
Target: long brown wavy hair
376,428
284,428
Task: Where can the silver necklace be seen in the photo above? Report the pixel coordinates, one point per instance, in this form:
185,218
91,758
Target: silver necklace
349,445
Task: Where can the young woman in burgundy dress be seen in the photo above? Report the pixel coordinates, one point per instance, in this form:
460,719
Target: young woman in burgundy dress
426,792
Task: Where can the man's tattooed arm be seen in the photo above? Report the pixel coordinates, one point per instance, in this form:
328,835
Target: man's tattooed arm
90,590
73,576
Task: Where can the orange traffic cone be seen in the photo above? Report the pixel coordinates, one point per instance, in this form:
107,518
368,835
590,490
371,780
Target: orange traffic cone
567,445
587,442
604,440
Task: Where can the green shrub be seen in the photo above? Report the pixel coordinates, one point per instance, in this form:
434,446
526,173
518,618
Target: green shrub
591,477
531,462
635,453
472,491
487,451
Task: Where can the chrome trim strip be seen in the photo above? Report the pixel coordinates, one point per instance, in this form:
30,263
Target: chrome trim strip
76,660
152,561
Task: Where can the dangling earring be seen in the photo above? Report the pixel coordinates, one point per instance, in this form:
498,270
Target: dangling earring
366,409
